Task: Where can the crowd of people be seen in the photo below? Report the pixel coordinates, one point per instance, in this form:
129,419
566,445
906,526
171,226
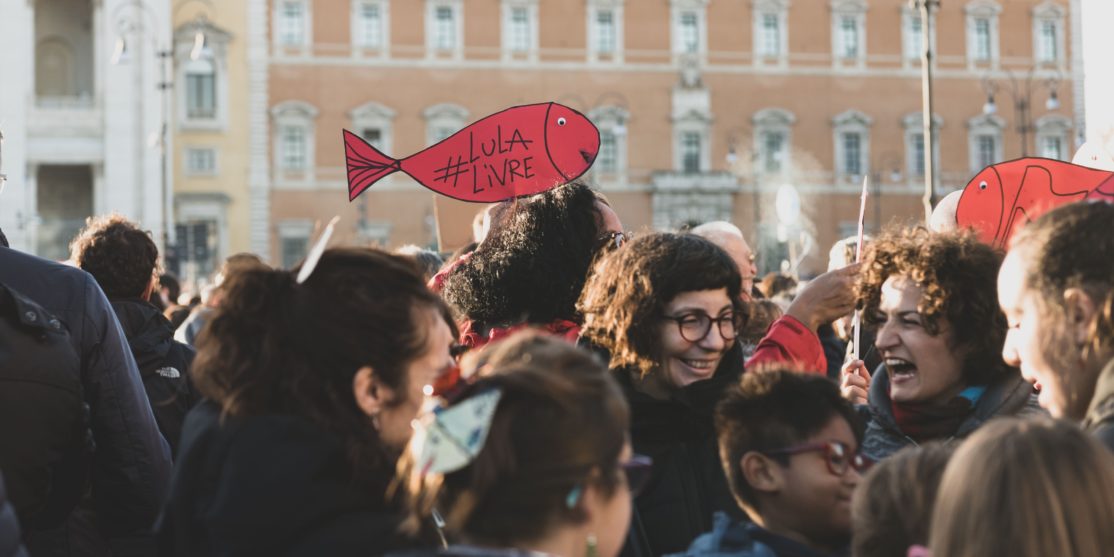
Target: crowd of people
565,387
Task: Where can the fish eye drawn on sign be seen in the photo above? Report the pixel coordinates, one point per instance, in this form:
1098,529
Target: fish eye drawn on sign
519,151
1003,197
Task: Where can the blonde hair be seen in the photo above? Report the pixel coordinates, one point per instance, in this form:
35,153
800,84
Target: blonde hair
1026,489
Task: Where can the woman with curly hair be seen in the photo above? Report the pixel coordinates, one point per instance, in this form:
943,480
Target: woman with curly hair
931,297
666,311
311,387
532,265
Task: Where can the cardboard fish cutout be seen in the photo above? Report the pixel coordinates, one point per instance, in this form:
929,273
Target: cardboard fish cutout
447,439
520,151
1004,197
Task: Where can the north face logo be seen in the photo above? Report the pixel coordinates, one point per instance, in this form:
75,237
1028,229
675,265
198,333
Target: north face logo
168,372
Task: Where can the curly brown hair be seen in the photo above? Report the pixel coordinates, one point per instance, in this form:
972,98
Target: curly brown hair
959,277
120,256
628,290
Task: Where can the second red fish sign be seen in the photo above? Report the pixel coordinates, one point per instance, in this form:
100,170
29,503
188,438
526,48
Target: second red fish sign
520,151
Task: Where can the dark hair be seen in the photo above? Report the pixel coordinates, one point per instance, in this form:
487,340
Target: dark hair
774,284
560,424
959,276
774,408
120,256
532,266
892,508
630,287
277,347
173,287
428,261
1071,247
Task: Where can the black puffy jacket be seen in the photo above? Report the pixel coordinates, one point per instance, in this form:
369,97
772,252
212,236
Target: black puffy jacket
164,365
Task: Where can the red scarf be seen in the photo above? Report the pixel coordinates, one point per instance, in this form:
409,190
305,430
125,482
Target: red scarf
926,421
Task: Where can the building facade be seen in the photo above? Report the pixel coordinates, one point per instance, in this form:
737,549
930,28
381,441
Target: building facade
706,107
212,127
82,111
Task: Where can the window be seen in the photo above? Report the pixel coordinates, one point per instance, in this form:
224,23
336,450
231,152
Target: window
1048,21
1052,148
292,23
771,35
520,28
770,29
852,153
293,241
772,151
852,144
772,138
445,30
294,141
201,161
690,152
913,124
371,21
985,140
611,162
848,32
916,154
608,160
914,37
690,33
443,120
849,37
982,32
982,39
1053,131
201,90
293,155
374,137
688,36
605,31
374,122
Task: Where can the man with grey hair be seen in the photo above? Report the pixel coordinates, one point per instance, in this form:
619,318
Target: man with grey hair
729,238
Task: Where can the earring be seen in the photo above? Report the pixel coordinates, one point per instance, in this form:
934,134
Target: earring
375,422
592,546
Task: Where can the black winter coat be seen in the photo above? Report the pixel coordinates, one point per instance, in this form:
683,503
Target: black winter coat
268,485
1100,414
688,485
10,545
131,466
164,365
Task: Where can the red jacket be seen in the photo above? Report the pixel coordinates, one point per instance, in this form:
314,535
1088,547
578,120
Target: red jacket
788,341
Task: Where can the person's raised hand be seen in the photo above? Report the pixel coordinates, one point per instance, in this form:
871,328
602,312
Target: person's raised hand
854,382
826,298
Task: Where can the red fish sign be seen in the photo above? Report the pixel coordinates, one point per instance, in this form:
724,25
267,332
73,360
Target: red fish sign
1004,197
519,151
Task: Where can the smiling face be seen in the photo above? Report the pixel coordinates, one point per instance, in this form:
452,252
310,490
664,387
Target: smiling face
683,362
571,140
922,367
982,205
817,501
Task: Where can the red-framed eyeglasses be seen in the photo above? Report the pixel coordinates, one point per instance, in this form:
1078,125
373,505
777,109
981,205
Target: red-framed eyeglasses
838,456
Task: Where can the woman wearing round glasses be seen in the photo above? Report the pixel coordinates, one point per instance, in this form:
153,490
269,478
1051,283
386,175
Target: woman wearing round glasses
666,310
940,335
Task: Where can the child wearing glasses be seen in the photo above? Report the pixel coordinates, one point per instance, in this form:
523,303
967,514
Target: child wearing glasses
790,448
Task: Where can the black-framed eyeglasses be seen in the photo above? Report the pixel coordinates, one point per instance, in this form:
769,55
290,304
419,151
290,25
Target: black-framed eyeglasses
637,470
694,327
837,456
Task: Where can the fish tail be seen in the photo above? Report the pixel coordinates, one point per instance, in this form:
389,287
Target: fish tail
366,164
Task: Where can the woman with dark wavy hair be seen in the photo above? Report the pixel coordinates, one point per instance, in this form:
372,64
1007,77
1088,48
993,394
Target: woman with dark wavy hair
940,335
532,265
312,388
666,310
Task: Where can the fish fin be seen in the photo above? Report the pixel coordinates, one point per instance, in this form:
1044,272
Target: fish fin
366,164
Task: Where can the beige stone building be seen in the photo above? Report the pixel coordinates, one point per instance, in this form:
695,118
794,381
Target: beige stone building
706,107
212,118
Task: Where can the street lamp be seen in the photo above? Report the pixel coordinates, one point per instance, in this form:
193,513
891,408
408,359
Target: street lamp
1021,92
926,8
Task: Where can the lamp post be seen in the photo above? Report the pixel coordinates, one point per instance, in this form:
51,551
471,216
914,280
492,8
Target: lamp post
926,9
1021,92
